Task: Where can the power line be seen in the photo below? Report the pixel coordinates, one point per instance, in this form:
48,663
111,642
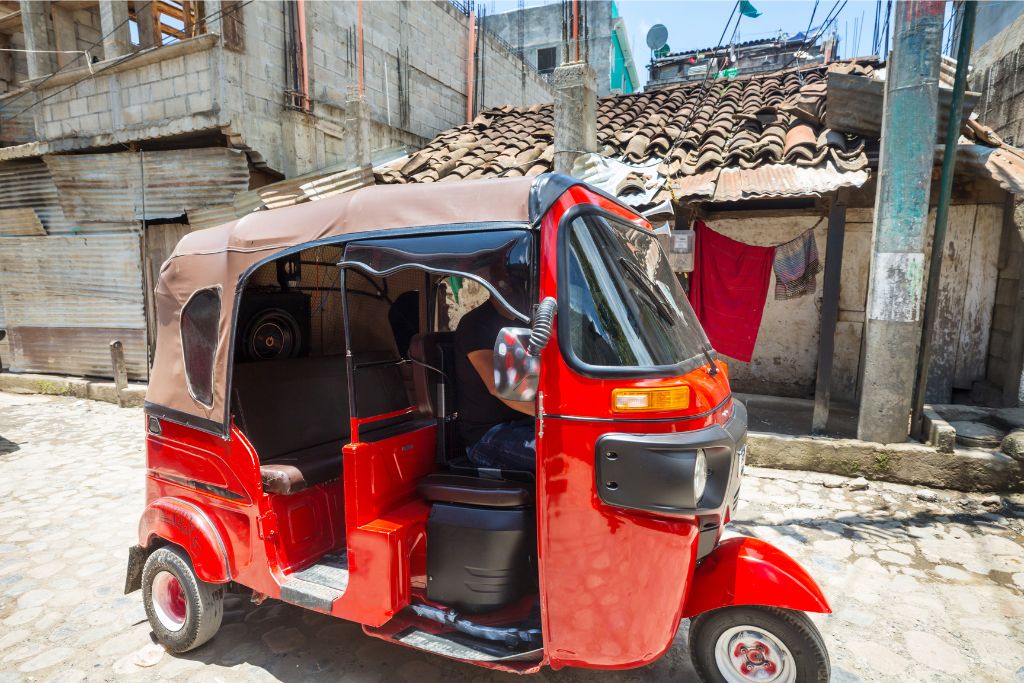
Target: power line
126,58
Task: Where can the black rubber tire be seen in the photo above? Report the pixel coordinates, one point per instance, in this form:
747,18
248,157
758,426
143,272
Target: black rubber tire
205,601
794,629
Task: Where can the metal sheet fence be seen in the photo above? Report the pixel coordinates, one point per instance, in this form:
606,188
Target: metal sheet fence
67,297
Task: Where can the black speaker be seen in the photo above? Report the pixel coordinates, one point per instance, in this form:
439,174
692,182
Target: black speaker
273,326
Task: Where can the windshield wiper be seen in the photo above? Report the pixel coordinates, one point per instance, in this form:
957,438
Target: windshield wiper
648,288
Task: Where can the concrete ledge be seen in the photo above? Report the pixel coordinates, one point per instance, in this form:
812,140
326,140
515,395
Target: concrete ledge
940,433
77,387
915,464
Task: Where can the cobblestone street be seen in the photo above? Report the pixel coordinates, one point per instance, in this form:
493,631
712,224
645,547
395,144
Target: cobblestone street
926,585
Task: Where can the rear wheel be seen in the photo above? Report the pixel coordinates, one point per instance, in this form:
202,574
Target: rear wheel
184,611
758,645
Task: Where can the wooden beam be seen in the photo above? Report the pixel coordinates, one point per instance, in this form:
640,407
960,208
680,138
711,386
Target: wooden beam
829,311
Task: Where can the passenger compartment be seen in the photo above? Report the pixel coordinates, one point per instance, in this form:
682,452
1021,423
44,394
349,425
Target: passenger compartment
295,413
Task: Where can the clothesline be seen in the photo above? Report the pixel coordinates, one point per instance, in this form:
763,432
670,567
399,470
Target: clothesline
730,281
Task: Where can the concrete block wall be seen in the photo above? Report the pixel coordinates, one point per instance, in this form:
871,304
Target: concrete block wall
1002,94
414,66
166,96
543,29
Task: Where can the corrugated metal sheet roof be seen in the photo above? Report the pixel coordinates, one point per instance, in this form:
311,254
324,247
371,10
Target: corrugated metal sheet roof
783,180
305,188
67,297
1003,164
108,187
697,186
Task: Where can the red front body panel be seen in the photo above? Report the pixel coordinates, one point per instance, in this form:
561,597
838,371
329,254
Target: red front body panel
613,582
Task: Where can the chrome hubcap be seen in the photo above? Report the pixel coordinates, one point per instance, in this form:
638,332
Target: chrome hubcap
169,602
748,653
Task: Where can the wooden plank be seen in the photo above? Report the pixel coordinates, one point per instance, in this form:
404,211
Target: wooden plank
949,310
980,297
829,313
853,292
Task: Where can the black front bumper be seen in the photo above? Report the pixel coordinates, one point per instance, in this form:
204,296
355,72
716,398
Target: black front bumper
654,472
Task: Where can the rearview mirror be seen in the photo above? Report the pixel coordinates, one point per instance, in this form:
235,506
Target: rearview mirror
516,372
517,354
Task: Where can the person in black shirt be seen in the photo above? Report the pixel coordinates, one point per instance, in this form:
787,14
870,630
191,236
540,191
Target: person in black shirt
496,432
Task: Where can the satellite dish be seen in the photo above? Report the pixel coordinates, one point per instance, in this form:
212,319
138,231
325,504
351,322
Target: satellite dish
657,37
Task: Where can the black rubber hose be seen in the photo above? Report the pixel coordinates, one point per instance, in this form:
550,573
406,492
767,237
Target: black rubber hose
543,324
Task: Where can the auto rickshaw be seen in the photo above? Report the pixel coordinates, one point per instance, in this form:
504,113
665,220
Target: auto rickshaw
301,440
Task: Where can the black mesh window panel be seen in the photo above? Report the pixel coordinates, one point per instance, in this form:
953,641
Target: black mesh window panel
200,320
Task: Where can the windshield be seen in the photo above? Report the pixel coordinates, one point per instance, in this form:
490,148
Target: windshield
626,309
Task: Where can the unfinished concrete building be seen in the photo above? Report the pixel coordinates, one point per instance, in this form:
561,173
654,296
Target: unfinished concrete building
124,125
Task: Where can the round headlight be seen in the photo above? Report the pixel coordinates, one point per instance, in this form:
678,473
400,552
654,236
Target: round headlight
700,476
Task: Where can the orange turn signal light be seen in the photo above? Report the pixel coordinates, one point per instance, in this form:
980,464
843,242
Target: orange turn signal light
650,400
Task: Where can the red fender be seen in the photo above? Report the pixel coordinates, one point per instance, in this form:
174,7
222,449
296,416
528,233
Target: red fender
748,571
185,524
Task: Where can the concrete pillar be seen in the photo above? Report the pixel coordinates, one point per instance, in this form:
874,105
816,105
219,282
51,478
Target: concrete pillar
64,37
357,131
575,113
114,24
6,64
909,119
212,10
147,17
299,142
37,25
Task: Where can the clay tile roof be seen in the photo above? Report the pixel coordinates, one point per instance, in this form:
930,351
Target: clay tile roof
741,123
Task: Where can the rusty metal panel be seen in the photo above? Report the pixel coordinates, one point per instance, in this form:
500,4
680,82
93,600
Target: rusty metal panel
28,184
305,188
783,180
1003,164
108,187
67,297
698,185
854,105
20,222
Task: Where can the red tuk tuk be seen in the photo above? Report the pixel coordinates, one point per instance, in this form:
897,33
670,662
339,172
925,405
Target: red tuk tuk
301,442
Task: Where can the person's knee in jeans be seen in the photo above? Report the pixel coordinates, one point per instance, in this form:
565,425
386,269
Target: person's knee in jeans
510,445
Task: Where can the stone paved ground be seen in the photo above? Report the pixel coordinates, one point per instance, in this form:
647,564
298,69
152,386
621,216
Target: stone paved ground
926,586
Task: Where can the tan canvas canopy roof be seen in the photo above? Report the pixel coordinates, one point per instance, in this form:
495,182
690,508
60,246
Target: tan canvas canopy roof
220,257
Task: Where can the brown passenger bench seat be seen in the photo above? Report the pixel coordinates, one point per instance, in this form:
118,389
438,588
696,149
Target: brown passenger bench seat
295,413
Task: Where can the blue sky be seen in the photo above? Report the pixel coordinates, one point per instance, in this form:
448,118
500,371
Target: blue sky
695,24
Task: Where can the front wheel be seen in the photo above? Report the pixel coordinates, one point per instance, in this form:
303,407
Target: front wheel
184,611
758,645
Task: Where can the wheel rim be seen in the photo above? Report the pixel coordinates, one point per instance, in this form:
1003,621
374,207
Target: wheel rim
169,601
749,653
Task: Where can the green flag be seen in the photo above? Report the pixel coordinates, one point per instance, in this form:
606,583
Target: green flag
748,10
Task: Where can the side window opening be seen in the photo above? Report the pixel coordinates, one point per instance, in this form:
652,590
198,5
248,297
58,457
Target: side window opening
546,59
200,333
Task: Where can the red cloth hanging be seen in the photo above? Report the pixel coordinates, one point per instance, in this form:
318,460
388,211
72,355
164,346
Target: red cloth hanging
728,290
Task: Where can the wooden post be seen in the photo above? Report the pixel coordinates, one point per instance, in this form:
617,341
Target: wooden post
120,370
829,311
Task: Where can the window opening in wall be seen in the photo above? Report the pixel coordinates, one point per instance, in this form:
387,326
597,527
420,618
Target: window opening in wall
200,332
547,58
172,21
